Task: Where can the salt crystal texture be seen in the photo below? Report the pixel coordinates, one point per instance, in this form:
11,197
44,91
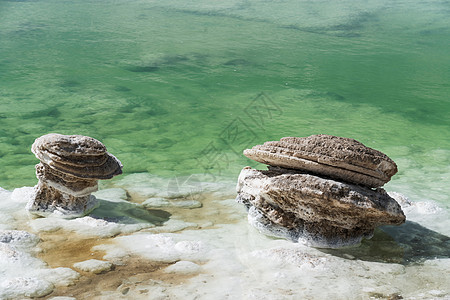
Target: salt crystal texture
94,265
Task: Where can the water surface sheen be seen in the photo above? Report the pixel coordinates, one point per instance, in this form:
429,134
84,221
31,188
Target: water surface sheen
176,88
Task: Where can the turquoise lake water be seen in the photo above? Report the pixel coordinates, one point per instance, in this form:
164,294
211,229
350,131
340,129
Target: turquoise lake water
176,88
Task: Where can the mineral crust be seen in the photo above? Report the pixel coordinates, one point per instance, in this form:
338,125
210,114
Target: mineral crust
68,173
322,190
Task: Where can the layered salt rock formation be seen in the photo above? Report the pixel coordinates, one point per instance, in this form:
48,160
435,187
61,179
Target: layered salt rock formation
70,168
321,190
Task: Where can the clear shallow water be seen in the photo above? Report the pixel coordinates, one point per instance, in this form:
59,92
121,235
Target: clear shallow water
164,84
175,88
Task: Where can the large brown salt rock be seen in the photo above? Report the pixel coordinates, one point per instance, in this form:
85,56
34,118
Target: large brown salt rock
68,173
340,158
320,212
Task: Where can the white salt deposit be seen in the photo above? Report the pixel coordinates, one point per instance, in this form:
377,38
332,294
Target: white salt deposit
173,225
59,276
183,267
24,287
94,265
22,274
221,256
18,238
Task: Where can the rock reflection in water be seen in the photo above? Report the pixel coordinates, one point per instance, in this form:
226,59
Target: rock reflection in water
129,213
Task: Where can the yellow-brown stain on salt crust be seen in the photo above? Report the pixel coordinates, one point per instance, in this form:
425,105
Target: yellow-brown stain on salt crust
63,249
132,274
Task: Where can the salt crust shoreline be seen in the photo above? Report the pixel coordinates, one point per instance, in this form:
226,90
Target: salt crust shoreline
226,259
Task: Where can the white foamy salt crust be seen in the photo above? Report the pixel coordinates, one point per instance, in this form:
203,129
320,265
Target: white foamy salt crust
23,275
183,267
25,287
240,265
18,238
59,276
233,261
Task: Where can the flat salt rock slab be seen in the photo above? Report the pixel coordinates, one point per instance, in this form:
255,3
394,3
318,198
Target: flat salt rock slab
110,168
94,266
74,160
337,157
68,145
107,170
76,155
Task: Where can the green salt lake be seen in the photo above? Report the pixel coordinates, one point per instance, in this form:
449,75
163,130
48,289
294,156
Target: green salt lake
172,88
175,88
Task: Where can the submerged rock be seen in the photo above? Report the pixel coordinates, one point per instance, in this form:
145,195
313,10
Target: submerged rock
68,173
321,190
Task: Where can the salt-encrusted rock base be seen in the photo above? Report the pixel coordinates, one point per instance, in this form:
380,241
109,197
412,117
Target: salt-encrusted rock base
68,173
320,212
47,201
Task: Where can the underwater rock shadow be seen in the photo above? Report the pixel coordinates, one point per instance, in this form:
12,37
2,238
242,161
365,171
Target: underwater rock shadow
129,213
410,243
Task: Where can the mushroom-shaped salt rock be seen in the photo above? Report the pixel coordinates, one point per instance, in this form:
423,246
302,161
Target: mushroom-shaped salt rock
322,190
68,173
320,212
336,157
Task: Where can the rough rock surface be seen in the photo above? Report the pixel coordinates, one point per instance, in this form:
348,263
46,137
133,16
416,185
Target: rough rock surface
336,157
68,173
320,212
322,190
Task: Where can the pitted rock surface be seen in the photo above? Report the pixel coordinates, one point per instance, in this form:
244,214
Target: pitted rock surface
68,173
68,145
322,190
321,212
